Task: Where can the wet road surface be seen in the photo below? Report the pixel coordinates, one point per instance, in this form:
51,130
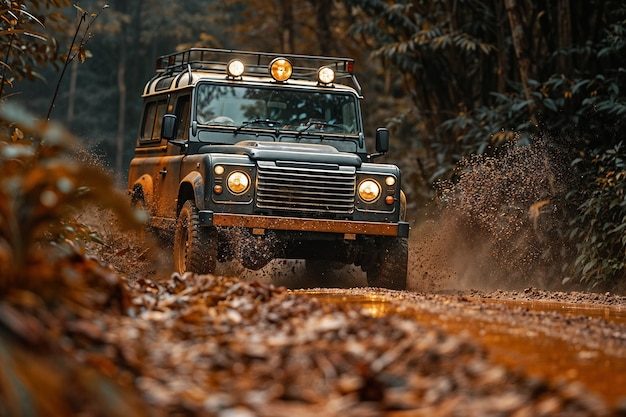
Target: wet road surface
554,341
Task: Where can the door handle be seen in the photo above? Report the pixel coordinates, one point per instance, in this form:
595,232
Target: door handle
163,171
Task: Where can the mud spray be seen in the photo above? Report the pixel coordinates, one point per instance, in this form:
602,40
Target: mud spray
289,273
494,223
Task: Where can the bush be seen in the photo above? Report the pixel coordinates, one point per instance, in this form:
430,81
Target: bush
42,189
598,230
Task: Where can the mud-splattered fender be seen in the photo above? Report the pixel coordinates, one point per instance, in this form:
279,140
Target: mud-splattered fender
192,187
145,186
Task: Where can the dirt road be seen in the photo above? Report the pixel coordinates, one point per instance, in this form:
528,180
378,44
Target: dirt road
249,346
557,337
262,350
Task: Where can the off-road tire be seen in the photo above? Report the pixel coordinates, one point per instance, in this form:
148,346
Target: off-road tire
390,268
195,247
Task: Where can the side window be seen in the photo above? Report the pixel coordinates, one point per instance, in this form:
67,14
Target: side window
153,116
183,115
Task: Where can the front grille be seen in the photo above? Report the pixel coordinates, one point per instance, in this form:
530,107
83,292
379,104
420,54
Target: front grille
320,190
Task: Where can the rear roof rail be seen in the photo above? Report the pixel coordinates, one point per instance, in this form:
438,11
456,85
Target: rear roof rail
305,67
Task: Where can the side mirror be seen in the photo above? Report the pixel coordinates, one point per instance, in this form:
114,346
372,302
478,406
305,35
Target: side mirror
382,140
168,127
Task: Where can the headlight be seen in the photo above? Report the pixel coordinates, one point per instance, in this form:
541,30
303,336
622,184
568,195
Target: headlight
369,191
238,182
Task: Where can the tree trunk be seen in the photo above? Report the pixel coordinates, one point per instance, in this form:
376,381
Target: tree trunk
121,88
502,52
322,19
287,21
565,35
521,50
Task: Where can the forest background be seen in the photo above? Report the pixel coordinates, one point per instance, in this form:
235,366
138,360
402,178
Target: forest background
508,112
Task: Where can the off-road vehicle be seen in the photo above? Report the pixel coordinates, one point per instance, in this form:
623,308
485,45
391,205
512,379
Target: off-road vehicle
255,156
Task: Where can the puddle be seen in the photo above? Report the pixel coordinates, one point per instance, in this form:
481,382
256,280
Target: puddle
529,351
614,314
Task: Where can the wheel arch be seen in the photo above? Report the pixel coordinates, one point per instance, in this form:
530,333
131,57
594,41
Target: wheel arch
143,188
191,188
402,206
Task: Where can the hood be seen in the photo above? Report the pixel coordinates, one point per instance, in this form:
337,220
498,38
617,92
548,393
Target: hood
287,151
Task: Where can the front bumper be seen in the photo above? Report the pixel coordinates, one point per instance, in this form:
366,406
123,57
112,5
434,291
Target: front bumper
261,223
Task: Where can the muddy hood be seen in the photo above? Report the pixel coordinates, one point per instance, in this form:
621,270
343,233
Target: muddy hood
282,151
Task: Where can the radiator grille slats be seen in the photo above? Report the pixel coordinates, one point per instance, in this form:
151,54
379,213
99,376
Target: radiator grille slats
323,190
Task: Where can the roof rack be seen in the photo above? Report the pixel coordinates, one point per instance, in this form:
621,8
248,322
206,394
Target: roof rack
305,67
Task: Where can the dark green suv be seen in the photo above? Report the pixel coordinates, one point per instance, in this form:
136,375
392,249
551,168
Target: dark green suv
255,156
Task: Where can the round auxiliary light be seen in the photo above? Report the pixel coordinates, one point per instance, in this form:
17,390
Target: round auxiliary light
369,190
238,182
235,68
325,75
390,181
218,169
281,69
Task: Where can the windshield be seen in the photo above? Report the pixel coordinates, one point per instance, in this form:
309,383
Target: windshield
297,110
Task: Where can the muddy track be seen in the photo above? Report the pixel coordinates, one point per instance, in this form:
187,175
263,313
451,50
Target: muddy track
271,343
581,339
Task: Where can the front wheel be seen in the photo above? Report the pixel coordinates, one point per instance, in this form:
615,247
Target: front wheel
195,247
390,268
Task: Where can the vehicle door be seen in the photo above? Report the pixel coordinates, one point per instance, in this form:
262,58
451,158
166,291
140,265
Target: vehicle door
170,173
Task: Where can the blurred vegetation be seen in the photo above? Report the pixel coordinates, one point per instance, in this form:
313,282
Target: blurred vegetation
452,78
47,277
43,188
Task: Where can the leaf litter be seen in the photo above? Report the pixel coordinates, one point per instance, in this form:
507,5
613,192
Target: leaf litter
205,345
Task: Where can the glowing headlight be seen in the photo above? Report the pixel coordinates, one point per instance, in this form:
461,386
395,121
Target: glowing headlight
235,68
281,69
325,75
369,191
238,182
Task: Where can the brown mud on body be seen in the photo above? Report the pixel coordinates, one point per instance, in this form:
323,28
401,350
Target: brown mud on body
539,340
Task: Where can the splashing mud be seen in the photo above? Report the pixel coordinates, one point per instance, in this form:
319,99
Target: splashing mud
498,224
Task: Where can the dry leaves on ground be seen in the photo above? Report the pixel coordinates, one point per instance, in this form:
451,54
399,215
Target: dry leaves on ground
216,346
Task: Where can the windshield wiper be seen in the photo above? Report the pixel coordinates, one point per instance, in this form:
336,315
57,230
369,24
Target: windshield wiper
258,120
320,125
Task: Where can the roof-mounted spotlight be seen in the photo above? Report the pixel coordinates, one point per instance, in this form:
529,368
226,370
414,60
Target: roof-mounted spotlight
235,68
325,75
281,69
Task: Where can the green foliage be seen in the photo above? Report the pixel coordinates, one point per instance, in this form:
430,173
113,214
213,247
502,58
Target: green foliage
440,55
599,228
464,72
